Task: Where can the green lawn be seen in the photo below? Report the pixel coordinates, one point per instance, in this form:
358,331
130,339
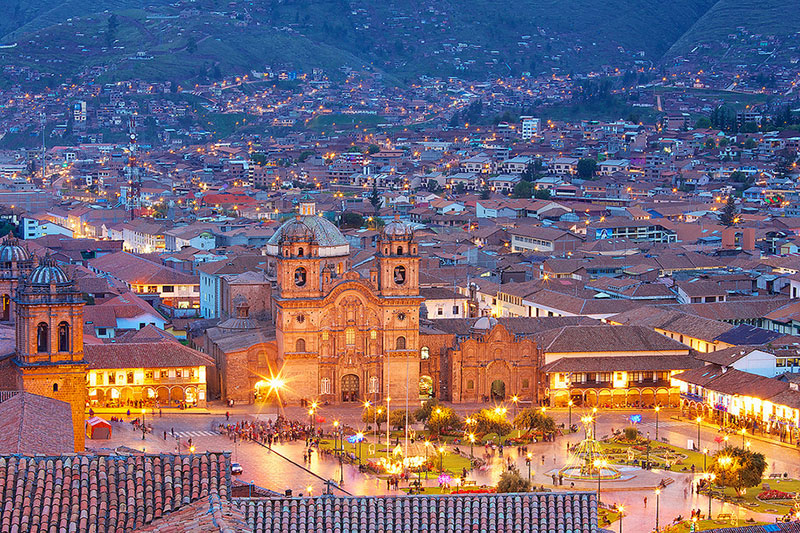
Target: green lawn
750,501
453,464
706,525
682,459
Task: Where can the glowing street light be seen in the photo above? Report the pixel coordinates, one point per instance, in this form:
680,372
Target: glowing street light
570,404
471,444
698,431
599,464
528,459
621,510
658,408
658,497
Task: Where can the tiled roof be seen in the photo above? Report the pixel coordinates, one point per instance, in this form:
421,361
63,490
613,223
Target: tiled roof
670,320
205,515
747,334
140,271
530,512
159,354
573,339
73,493
33,424
641,363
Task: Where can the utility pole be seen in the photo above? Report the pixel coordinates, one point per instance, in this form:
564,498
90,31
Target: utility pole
134,177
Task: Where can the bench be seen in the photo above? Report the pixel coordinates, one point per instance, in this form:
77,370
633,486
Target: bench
665,440
724,516
470,483
775,476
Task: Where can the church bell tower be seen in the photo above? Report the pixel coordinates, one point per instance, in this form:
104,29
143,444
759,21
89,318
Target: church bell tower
49,340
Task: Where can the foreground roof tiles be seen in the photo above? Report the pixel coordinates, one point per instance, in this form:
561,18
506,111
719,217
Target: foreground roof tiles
73,493
530,512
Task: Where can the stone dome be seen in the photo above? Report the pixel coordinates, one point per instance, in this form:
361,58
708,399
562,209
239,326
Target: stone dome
48,272
313,230
397,230
12,251
485,323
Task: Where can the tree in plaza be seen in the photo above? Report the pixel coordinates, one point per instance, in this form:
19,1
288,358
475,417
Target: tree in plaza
442,420
492,421
397,419
426,409
586,168
738,468
368,416
530,419
511,481
727,216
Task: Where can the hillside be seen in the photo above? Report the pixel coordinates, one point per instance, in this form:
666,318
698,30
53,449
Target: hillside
185,41
742,31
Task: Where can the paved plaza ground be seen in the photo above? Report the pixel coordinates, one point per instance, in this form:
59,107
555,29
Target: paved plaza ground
283,468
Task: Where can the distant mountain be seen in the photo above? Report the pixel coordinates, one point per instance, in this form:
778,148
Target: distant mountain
159,39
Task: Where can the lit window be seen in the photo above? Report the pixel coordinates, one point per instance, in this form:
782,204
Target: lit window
325,386
350,336
373,334
424,353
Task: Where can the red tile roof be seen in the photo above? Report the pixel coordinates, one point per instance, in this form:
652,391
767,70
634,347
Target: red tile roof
159,354
33,424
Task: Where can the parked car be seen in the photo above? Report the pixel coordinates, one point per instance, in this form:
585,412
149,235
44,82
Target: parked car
236,468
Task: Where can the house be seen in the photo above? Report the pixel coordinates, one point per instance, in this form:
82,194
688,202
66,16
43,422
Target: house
124,312
536,239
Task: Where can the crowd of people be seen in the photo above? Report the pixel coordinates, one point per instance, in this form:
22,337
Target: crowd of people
269,432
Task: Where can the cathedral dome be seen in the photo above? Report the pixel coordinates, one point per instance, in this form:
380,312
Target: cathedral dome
312,230
48,272
11,251
397,230
484,323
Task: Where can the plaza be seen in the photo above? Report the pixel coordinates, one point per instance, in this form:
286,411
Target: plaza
284,466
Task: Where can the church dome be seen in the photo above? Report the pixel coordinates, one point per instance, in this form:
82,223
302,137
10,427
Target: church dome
48,272
313,230
397,230
484,323
11,251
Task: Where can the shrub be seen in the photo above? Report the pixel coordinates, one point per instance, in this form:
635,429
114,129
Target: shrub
631,433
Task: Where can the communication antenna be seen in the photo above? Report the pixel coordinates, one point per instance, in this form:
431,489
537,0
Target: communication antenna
134,177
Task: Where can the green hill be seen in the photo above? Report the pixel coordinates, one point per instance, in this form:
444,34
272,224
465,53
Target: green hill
159,39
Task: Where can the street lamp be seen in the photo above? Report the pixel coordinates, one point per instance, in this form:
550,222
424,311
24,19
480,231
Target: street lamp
621,510
711,478
586,420
427,445
359,437
144,427
599,464
378,411
658,498
705,456
647,461
698,431
658,408
515,399
570,404
441,459
594,423
528,460
471,444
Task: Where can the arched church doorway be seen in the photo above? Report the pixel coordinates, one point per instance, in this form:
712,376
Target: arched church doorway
349,388
498,391
425,387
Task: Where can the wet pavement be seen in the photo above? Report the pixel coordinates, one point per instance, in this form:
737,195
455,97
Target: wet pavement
273,471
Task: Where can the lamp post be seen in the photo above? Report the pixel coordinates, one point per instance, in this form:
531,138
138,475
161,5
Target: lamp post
427,445
388,443
360,437
441,459
340,450
711,478
594,423
658,408
378,411
621,514
471,445
570,404
705,457
599,464
647,461
515,399
658,498
528,460
144,427
698,431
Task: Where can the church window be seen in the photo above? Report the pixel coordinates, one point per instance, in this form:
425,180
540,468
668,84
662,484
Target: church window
424,353
300,276
470,384
325,335
399,250
63,337
325,386
399,275
300,252
42,341
374,385
373,334
350,336
400,343
300,345
55,387
526,383
112,378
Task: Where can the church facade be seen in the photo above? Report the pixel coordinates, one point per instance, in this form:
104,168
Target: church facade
341,337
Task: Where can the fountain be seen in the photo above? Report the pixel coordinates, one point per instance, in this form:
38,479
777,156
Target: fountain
586,460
